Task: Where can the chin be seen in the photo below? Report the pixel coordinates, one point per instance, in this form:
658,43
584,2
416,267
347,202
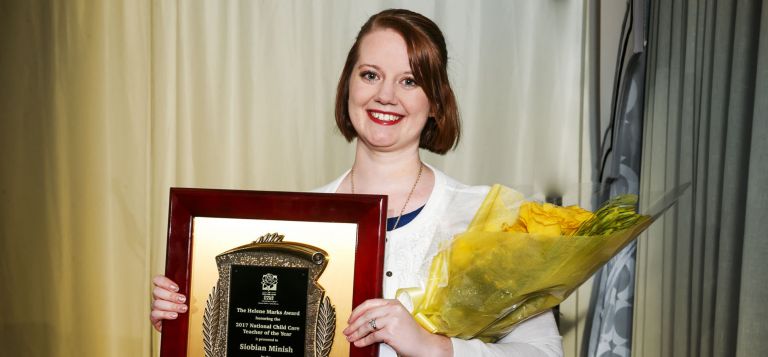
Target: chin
378,144
379,139
381,146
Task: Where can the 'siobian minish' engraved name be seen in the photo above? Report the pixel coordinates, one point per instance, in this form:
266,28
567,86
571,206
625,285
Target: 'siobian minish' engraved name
270,348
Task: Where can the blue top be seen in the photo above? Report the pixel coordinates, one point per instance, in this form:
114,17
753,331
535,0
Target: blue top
404,219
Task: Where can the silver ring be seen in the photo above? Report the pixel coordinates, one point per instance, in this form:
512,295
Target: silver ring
372,323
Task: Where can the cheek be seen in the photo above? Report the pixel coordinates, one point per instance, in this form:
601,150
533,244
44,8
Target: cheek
358,94
418,103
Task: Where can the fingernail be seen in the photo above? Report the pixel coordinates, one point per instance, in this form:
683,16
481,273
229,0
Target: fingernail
184,308
175,287
181,298
174,315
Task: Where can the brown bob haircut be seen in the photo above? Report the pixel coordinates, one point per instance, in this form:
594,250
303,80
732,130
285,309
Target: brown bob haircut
428,57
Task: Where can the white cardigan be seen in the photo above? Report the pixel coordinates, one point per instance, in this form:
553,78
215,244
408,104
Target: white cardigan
408,255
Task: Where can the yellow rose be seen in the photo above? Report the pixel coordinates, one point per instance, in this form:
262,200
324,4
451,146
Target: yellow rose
548,219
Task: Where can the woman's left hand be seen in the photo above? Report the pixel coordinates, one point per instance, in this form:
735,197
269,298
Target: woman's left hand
380,320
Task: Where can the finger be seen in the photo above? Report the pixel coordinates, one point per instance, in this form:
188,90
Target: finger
157,316
364,307
158,325
362,323
163,282
371,309
164,294
360,332
365,325
371,338
163,305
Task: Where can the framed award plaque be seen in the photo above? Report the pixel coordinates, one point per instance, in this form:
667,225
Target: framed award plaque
271,273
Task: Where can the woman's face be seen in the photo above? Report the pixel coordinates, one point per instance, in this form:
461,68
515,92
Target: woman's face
388,109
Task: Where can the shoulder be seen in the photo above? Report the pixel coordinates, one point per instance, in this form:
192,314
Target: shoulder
458,188
457,194
455,202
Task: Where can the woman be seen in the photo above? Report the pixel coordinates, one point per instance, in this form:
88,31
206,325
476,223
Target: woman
394,97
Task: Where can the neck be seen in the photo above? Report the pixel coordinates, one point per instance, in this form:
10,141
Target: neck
385,172
392,173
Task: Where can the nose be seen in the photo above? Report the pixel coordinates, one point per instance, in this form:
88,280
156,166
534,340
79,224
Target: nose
386,94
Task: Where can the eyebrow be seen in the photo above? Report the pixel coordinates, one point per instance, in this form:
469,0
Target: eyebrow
378,68
369,65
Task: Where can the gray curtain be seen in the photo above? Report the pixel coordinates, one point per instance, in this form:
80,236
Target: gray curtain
707,123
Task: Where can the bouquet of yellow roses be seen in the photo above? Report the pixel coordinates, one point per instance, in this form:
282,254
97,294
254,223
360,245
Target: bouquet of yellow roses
518,259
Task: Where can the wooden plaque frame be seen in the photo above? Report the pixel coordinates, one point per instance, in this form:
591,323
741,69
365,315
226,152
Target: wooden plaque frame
367,211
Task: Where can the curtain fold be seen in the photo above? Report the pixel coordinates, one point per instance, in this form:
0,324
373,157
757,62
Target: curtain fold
754,292
706,112
23,208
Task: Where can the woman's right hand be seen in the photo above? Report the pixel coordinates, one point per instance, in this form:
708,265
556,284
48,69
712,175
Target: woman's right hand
167,303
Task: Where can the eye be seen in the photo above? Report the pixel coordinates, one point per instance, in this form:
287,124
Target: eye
369,76
409,82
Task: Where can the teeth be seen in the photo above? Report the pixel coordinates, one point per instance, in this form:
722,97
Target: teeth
385,117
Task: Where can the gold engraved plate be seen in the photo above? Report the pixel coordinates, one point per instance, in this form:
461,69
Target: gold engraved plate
267,301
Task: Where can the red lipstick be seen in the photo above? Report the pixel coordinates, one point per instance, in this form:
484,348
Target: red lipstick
384,122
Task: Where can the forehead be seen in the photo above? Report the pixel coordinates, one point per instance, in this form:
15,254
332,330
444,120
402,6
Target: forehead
384,48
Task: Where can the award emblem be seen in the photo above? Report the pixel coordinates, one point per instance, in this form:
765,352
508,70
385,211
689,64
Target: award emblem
267,301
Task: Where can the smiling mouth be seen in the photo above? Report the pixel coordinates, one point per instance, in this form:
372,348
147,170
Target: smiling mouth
384,118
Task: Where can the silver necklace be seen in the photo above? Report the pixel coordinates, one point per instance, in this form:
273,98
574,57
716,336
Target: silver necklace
407,199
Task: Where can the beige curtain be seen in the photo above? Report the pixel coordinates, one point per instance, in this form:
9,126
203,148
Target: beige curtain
75,114
104,105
